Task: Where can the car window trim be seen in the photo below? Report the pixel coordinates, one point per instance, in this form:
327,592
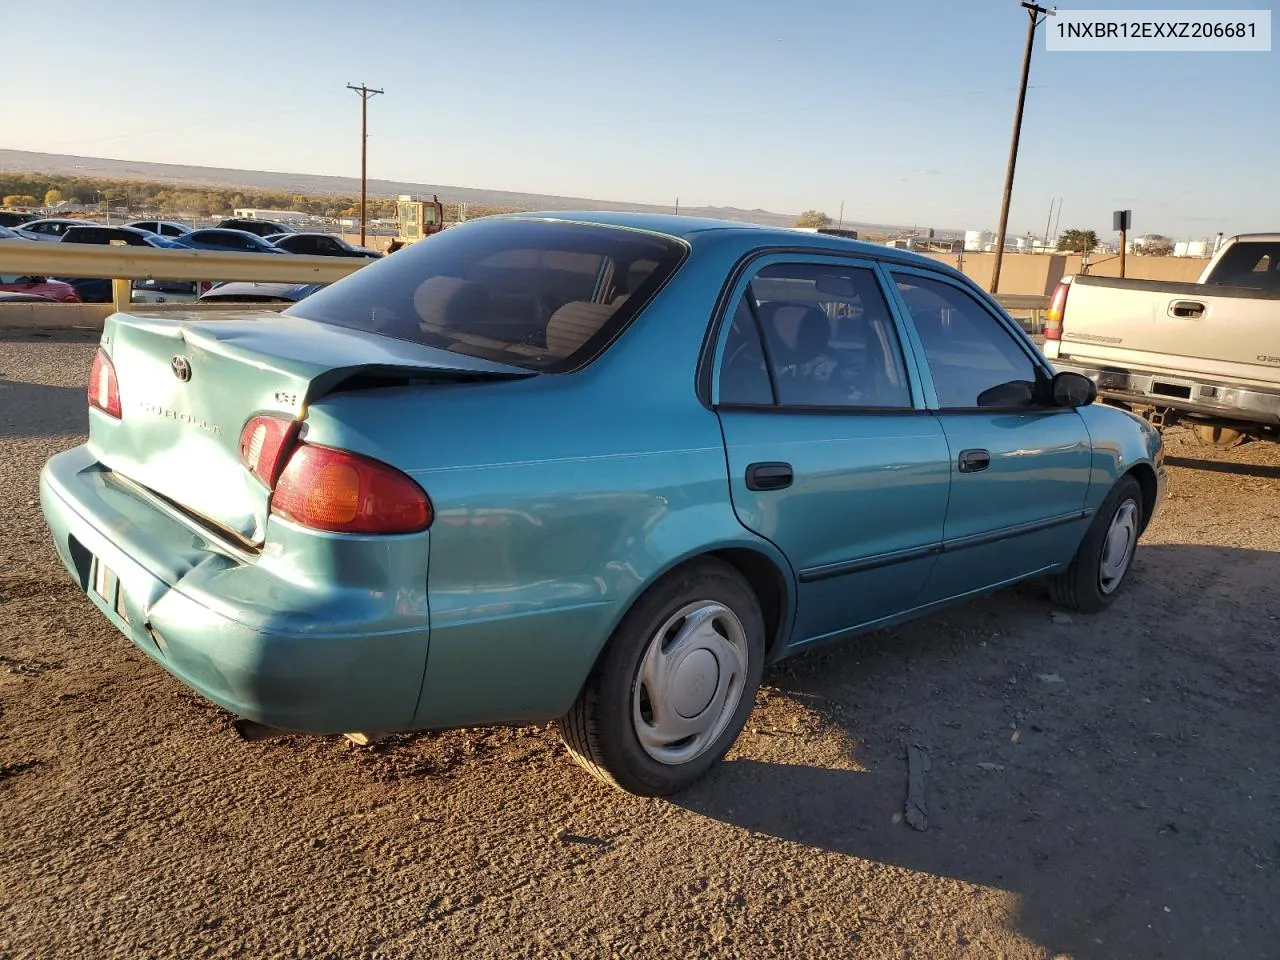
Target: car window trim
708,354
766,351
707,372
1006,323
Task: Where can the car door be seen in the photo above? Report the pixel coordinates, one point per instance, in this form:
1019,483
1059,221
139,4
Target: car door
1019,466
831,454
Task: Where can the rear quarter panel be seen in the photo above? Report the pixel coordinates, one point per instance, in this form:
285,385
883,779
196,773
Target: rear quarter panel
558,500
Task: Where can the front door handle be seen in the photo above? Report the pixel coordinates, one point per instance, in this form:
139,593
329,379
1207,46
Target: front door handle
1186,309
769,476
974,461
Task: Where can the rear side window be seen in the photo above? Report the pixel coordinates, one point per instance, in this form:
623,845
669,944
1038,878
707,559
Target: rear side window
830,337
546,296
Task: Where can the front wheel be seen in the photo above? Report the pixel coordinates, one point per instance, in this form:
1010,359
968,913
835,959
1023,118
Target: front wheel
675,684
1105,555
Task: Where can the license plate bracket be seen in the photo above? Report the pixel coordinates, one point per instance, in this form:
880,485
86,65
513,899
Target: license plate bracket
106,585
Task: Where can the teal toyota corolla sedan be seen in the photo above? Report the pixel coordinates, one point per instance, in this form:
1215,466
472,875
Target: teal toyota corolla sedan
592,468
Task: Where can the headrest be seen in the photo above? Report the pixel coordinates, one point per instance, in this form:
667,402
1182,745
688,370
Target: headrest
814,335
574,324
446,302
806,325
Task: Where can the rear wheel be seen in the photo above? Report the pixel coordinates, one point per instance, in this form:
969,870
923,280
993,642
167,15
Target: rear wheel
675,684
1224,438
1102,562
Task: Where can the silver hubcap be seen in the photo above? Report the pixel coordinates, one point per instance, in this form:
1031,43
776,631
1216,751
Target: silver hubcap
690,682
1117,548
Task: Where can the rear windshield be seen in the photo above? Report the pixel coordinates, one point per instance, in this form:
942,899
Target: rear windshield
1251,263
542,295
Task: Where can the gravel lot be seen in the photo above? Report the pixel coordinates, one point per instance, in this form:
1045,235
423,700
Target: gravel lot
1101,786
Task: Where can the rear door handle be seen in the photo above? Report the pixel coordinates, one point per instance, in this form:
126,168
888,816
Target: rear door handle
1186,309
974,461
769,476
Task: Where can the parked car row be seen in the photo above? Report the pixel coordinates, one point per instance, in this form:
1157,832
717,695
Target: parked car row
250,236
231,234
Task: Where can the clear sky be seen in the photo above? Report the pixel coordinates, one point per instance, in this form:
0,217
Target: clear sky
900,109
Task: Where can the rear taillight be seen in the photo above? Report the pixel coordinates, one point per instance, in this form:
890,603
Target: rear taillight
265,443
346,492
1053,316
104,391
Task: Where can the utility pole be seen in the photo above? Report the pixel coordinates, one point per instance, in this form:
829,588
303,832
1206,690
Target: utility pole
1035,15
840,223
1048,224
365,94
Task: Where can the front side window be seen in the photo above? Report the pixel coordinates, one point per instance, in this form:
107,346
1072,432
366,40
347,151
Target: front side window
974,360
828,336
536,294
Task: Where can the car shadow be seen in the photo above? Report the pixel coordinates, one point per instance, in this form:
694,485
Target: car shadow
1117,772
41,410
1219,466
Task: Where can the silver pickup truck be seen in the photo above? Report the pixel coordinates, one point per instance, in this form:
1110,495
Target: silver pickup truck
1207,353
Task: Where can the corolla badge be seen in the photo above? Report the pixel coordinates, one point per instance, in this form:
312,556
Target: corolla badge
181,368
181,416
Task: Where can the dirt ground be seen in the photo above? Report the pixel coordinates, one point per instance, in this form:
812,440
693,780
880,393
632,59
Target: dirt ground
1102,786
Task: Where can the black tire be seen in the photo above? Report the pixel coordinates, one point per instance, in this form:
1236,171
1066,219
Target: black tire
1224,438
599,730
1079,587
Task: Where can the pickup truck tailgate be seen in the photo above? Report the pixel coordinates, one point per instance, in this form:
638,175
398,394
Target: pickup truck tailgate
1228,332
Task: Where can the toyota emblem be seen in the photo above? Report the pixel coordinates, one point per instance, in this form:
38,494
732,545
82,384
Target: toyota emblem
181,368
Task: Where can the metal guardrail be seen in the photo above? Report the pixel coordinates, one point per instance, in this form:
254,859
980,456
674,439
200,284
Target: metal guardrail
124,264
44,259
121,265
1023,301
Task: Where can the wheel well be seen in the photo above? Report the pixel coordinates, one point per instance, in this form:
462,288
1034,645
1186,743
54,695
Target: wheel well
766,581
1146,478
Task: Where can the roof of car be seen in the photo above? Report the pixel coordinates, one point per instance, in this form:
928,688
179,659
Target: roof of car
103,226
224,230
688,228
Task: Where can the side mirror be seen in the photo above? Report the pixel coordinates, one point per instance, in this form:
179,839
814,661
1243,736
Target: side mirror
1073,390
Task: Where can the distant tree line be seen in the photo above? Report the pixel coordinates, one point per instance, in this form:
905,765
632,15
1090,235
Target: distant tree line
146,197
